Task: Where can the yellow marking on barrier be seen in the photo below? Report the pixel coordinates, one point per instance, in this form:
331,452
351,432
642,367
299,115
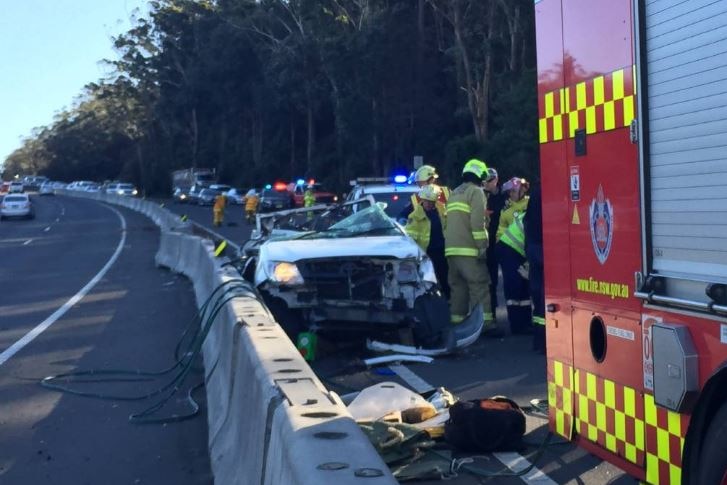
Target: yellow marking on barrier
220,248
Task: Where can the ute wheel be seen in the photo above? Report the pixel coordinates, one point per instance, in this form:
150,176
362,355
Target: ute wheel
290,320
713,460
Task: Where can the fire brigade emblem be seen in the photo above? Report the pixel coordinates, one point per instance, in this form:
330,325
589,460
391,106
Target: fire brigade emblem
601,222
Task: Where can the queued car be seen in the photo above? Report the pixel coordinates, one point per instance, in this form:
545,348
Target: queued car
16,205
122,189
16,188
275,198
47,188
207,197
350,267
395,193
180,196
236,196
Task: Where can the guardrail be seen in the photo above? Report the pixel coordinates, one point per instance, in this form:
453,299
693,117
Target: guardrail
271,421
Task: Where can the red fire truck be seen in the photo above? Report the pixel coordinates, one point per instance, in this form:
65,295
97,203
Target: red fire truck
633,150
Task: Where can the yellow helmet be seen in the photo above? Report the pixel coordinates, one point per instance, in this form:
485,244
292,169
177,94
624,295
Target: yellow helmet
430,192
476,167
424,173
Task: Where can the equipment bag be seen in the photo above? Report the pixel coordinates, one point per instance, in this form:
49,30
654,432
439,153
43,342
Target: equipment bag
485,425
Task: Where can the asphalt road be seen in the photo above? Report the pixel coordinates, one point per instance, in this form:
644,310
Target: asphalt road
131,319
490,367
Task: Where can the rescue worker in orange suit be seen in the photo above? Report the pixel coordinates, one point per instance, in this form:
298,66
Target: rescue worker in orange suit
426,226
218,209
496,198
533,223
251,203
465,246
424,176
510,252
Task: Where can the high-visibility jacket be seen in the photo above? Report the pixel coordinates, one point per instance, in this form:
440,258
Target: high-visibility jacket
251,202
514,235
219,203
309,198
465,234
443,197
507,215
419,227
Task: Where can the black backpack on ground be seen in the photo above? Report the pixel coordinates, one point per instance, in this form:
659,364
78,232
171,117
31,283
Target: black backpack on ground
485,425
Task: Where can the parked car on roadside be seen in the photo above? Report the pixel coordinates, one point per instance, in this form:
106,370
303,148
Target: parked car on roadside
274,199
16,205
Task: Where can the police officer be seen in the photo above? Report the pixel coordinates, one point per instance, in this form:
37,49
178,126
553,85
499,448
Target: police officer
426,226
533,224
510,252
466,245
496,198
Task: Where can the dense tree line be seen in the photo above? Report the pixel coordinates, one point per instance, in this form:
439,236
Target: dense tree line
331,89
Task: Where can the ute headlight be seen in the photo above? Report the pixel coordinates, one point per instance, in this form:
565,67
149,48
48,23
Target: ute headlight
182,196
286,274
335,198
426,270
120,192
134,192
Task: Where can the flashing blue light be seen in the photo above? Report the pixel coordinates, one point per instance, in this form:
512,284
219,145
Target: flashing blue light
400,179
268,186
300,182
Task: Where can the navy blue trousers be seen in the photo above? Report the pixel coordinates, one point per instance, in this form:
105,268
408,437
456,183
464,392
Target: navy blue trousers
517,293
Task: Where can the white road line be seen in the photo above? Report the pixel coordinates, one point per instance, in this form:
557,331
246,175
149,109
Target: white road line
58,219
46,229
30,336
514,461
27,242
518,463
416,382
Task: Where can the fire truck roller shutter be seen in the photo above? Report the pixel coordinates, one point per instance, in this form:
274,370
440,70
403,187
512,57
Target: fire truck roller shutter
685,58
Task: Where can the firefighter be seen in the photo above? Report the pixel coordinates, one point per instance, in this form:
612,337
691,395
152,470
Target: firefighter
309,199
496,198
251,203
465,240
218,210
426,226
425,175
510,252
533,224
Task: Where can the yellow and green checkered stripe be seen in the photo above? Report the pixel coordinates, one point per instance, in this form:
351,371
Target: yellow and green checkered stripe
620,419
600,104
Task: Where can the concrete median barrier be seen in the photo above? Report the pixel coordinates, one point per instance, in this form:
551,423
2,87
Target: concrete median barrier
271,421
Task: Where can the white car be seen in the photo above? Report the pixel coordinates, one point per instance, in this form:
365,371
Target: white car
46,188
16,205
122,189
346,265
16,188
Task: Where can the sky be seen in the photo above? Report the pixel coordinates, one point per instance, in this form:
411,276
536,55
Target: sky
49,49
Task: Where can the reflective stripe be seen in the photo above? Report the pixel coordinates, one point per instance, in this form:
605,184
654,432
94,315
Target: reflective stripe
459,206
461,252
527,302
479,235
539,320
456,318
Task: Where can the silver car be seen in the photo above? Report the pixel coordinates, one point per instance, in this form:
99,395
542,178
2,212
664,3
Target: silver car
17,205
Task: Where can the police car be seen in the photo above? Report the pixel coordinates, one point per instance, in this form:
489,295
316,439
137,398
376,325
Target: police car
395,192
